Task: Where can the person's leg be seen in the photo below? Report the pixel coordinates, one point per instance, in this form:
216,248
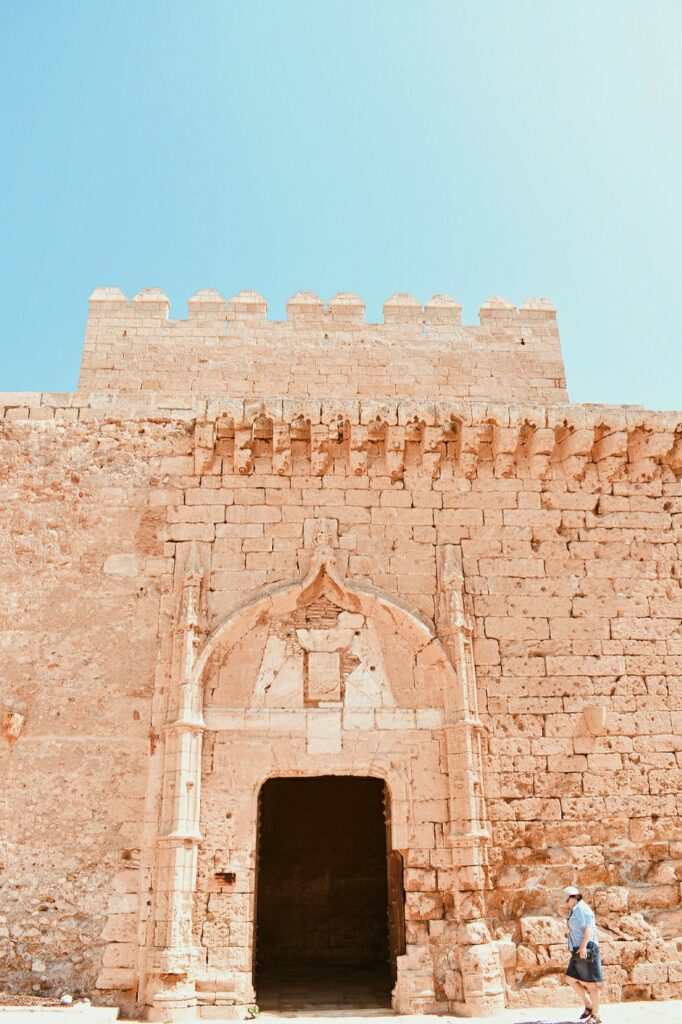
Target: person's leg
582,990
593,991
587,997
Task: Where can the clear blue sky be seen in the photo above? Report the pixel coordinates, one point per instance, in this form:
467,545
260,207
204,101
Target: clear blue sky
520,148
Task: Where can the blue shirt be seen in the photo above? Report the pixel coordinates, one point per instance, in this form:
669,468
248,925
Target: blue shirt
580,918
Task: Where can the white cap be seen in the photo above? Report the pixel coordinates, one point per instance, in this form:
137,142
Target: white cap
571,890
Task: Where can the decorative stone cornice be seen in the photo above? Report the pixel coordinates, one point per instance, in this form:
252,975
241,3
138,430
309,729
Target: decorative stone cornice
619,442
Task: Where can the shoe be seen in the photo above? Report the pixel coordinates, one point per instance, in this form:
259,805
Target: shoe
585,1014
592,1019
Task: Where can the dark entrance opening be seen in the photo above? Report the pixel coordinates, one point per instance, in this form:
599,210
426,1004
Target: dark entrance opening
322,929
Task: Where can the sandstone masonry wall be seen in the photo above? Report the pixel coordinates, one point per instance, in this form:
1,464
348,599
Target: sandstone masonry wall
79,635
565,521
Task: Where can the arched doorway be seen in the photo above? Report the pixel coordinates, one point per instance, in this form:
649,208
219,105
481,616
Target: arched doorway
320,677
323,930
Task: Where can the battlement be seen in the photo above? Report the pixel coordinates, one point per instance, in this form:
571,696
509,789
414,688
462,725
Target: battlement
306,307
229,347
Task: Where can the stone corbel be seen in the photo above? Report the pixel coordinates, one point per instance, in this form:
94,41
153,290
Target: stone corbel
204,446
674,457
537,450
281,449
243,451
470,444
358,454
395,452
647,450
610,452
504,444
574,450
320,457
432,449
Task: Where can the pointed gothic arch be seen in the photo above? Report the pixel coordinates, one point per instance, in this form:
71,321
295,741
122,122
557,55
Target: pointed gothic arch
322,579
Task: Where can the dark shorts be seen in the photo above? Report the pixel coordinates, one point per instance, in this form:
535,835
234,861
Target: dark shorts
586,970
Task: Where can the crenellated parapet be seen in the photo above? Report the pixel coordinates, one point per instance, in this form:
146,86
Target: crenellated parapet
230,347
307,307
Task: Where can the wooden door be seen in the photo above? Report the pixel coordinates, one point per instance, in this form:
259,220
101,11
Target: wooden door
396,910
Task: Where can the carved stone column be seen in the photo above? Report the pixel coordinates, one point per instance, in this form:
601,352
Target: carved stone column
482,975
171,960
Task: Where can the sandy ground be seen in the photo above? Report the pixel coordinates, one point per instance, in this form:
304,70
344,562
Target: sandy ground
617,1013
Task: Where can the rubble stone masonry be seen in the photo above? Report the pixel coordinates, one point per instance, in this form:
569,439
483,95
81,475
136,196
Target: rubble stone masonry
245,550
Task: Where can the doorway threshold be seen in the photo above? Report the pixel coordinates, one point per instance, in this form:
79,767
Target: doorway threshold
321,991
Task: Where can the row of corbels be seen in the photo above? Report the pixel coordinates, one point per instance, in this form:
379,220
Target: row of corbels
641,452
306,307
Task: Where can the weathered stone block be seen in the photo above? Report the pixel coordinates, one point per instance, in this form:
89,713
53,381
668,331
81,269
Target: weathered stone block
542,931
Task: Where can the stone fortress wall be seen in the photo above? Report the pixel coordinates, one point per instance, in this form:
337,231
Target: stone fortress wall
520,553
230,348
